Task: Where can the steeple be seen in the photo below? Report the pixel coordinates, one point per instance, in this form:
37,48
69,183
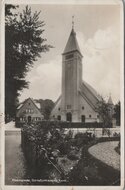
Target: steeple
110,102
72,44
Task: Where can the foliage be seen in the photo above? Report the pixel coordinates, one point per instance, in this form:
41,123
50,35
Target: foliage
69,135
46,107
104,113
73,155
117,149
45,135
23,45
8,9
82,139
117,114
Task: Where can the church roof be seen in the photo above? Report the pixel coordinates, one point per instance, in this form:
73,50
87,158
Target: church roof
90,95
72,44
110,101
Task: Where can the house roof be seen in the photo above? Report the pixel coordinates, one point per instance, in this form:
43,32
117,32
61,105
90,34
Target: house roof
23,103
37,104
72,44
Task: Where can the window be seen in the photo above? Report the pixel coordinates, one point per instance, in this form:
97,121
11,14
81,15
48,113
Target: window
29,104
68,106
59,117
69,56
83,118
90,116
53,116
69,117
83,108
97,116
29,111
59,109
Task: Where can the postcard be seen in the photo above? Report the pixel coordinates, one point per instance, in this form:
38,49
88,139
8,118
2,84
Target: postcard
62,94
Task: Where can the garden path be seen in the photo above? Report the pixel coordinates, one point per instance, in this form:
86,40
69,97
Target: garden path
105,152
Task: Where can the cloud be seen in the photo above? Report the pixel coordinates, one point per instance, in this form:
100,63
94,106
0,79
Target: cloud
101,61
47,81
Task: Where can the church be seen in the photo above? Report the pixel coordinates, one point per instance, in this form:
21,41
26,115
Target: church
78,100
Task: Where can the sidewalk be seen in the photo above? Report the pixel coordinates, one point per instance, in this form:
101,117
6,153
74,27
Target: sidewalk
11,127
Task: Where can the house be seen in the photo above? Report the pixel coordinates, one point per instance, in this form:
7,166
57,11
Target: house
29,111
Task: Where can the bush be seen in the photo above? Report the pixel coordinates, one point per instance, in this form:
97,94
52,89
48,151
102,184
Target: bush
69,135
81,139
64,147
117,149
35,135
73,155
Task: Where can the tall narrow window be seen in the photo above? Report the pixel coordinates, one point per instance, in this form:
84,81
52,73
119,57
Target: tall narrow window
69,117
59,118
83,118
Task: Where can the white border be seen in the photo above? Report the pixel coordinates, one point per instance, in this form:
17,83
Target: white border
117,2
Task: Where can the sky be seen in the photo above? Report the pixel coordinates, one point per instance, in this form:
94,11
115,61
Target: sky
97,30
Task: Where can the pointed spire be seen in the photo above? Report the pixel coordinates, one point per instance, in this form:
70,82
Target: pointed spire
72,44
73,22
110,100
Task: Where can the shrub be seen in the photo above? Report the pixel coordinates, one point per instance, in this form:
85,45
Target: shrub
73,155
81,139
64,147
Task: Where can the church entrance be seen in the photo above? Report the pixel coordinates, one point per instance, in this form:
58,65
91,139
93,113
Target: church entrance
59,117
83,118
69,117
29,119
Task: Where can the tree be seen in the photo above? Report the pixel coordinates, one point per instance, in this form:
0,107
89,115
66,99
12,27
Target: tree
46,107
23,45
104,113
117,114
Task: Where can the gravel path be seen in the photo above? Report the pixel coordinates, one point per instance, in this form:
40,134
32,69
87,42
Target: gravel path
105,152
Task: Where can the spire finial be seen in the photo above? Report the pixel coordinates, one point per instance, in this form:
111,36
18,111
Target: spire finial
73,22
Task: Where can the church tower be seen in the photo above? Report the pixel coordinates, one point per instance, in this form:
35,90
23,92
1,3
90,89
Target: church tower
78,100
71,78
